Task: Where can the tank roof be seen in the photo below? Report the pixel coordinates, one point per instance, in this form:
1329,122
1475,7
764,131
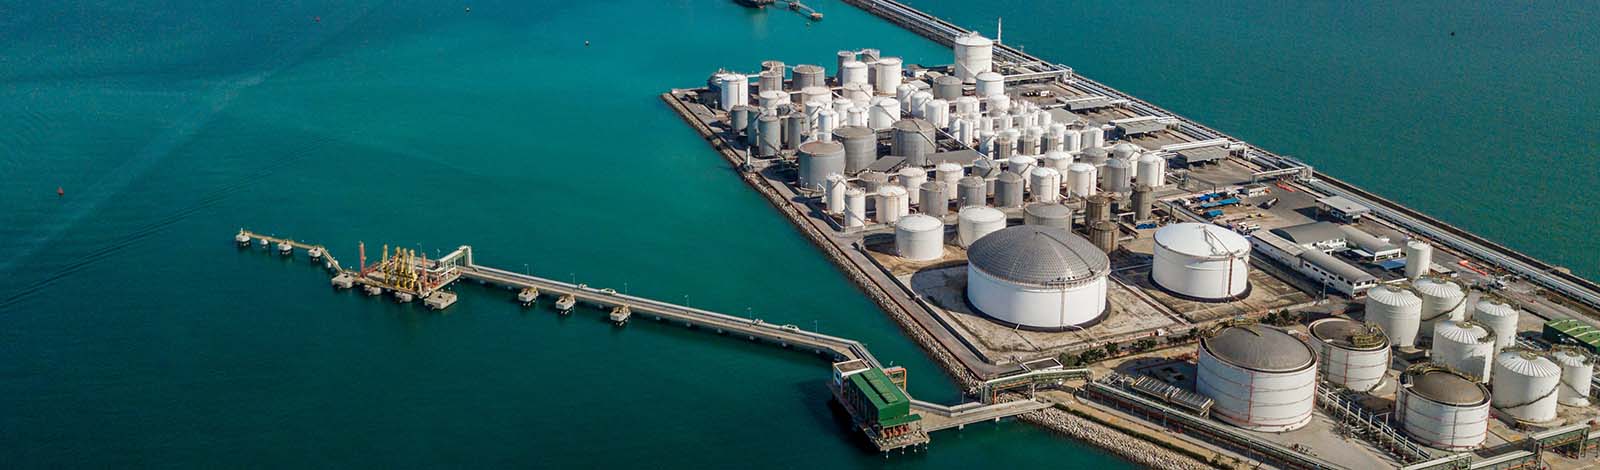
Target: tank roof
1038,255
1349,334
1259,347
1526,363
1204,240
1394,295
1446,387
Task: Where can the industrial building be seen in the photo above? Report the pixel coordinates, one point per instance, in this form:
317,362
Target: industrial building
877,404
1327,270
1342,209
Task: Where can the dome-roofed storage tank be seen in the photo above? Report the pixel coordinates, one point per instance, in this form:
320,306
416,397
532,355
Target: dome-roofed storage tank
808,75
1354,355
1500,316
1261,377
1103,234
1577,374
948,174
1419,256
1464,346
1442,408
1094,156
818,159
1116,178
947,87
919,237
993,84
1047,214
974,55
883,113
1442,299
1397,310
1526,385
1201,261
976,221
1037,277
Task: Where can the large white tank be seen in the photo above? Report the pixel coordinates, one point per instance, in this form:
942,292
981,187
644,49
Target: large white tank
1022,165
1152,171
885,111
1442,299
919,237
1093,137
1577,370
992,84
1526,385
1061,161
890,199
833,192
937,112
974,55
1500,317
1441,408
1081,179
1464,346
1046,184
976,221
827,121
887,74
1260,377
854,72
1201,261
733,90
949,174
919,104
1354,355
1419,256
1397,310
912,178
967,105
769,100
1038,277
855,207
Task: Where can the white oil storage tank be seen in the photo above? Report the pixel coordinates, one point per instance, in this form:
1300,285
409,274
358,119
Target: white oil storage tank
1201,261
1081,179
1499,316
818,159
919,237
833,193
974,55
1464,346
1442,408
1442,299
1038,277
1152,171
976,221
1526,385
1397,310
1419,258
993,84
1577,374
1354,355
1261,377
886,74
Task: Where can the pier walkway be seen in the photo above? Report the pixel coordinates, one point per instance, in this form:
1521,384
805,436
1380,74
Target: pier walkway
936,417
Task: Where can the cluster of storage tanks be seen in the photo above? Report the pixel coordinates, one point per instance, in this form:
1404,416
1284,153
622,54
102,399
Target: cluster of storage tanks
1262,378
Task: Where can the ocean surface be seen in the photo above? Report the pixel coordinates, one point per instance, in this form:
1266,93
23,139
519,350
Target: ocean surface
134,334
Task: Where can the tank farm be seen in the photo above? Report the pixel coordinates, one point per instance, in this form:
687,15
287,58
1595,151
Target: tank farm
1085,261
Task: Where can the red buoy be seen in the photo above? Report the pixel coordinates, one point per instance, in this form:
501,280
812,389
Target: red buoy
60,192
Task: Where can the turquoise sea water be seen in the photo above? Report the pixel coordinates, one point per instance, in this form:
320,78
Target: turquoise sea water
135,334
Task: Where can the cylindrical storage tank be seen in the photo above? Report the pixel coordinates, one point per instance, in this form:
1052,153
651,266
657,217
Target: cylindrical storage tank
976,221
827,121
971,191
1526,386
1577,372
1259,377
1464,346
872,181
1074,140
1201,261
949,174
1441,408
853,72
817,93
912,178
933,199
860,147
1354,355
1037,277
842,105
1005,145
1103,233
1500,317
903,95
1022,165
974,55
1442,299
739,118
770,81
1061,161
1097,207
1397,310
1081,179
1031,143
817,160
769,137
855,207
1124,151
1057,136
1008,190
1094,156
1094,137
732,90
884,112
889,202
1419,256
991,84
752,128
967,105
1115,178
1143,202
1046,184
886,74
808,75
774,66
1048,215
794,130
947,87
987,169
1152,171
913,139
919,103
834,188
838,67
999,110
919,237
859,94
